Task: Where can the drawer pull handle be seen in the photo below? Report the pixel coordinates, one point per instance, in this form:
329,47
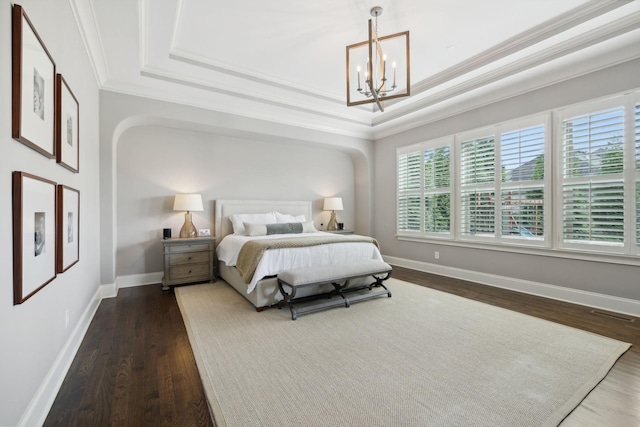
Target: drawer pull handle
189,258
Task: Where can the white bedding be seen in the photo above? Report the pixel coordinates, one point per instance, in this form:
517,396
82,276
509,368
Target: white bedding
276,260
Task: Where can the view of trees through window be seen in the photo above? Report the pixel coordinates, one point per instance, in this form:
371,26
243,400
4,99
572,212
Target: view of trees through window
495,184
593,187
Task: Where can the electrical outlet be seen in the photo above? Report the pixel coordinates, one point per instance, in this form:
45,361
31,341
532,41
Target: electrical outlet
436,254
66,319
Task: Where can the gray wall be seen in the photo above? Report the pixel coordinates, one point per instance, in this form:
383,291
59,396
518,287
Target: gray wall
33,334
150,149
600,277
154,163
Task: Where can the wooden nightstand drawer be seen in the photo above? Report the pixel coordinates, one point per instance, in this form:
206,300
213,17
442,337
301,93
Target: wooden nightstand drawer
188,258
194,247
190,271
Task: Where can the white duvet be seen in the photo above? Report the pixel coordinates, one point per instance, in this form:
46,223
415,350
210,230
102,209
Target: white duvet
275,261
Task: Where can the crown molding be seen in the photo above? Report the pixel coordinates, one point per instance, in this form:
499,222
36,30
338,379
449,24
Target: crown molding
84,16
521,41
251,110
581,42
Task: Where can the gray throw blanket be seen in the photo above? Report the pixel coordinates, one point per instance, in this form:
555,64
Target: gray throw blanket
251,252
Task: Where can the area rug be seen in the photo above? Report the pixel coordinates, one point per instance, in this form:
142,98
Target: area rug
420,358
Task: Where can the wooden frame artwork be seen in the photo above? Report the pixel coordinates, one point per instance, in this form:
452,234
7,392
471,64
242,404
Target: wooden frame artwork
34,234
33,88
68,238
68,126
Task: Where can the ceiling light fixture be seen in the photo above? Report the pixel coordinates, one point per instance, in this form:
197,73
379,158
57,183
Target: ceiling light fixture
377,88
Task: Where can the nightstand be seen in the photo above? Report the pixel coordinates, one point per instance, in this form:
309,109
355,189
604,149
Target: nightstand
189,261
341,231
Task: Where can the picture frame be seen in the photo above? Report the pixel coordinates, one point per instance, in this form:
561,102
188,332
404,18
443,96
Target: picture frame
204,232
67,126
68,228
34,234
32,88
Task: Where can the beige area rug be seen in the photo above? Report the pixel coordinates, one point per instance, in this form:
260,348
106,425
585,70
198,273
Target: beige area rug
420,358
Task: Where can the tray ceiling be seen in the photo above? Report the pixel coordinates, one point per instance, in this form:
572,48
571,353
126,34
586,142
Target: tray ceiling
284,60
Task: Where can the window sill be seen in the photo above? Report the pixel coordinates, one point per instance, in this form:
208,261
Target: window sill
592,256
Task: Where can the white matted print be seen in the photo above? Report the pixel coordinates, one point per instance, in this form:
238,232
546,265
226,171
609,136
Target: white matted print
34,234
68,129
33,87
68,242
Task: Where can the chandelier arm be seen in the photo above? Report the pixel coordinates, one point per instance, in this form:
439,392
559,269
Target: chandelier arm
375,96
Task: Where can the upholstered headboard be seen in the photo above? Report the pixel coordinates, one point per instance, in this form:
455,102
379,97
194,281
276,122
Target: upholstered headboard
226,208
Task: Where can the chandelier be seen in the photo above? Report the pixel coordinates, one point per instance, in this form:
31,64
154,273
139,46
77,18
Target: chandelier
376,83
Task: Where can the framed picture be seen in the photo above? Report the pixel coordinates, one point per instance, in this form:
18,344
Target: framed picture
204,232
33,88
34,234
68,236
68,126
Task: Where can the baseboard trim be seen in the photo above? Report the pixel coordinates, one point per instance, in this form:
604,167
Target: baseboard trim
575,296
38,409
132,280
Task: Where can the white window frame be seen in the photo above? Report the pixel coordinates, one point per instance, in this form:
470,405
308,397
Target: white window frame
421,148
626,177
547,183
497,185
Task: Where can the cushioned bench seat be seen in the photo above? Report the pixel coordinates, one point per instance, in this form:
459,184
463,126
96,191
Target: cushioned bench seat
339,276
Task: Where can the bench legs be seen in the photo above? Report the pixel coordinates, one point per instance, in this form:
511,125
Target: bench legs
327,300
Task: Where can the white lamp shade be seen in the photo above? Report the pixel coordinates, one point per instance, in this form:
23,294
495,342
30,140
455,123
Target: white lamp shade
333,204
188,202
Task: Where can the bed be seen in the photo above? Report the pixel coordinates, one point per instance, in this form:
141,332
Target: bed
262,290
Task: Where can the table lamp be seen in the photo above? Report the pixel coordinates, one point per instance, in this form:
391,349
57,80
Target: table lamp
188,203
332,204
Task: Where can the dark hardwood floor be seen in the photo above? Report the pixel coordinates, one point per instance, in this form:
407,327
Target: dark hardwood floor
135,366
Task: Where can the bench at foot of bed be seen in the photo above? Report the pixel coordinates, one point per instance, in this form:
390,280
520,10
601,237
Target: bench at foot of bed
339,275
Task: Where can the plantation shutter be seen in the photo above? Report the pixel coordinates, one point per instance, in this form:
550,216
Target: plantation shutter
409,186
593,182
437,191
637,163
522,197
477,187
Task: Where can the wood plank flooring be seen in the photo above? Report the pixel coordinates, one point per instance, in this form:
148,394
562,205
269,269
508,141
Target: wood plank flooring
135,366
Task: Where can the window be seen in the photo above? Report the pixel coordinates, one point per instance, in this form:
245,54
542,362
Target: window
424,190
437,191
504,184
522,160
592,205
409,186
637,173
477,187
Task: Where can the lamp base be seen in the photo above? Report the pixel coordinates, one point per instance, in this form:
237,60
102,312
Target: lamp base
188,229
332,225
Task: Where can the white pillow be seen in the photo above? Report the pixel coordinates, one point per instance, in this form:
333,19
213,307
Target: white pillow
285,218
308,227
238,220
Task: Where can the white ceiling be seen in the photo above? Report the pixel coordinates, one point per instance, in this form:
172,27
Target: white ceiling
284,60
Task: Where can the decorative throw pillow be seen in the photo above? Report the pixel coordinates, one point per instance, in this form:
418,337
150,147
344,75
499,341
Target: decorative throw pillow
276,228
